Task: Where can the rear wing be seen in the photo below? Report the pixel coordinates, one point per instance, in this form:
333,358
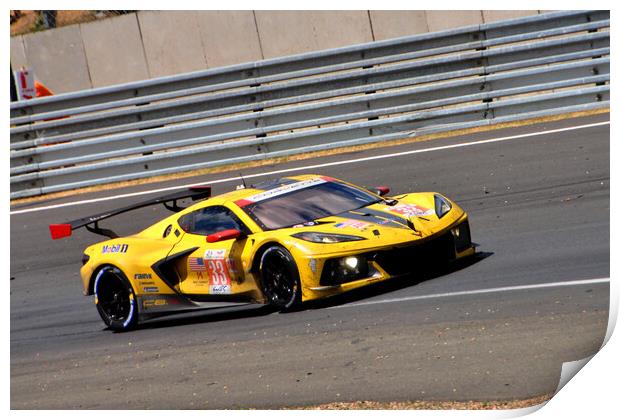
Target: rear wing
92,222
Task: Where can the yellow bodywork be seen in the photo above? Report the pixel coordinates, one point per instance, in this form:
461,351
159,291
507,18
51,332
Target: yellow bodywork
235,259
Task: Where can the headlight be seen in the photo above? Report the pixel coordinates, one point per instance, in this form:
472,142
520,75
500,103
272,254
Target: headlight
343,270
442,206
326,238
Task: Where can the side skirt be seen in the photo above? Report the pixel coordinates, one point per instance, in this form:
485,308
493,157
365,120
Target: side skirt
153,306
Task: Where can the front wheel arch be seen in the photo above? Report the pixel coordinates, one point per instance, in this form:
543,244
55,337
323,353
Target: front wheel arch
279,278
258,255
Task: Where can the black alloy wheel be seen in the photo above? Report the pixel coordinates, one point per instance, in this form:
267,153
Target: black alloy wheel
280,278
115,299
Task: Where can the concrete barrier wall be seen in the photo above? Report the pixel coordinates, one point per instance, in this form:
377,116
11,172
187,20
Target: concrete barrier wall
158,43
172,42
18,54
229,37
439,20
388,24
114,51
494,15
58,58
290,32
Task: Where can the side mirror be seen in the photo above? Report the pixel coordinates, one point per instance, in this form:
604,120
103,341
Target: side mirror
382,190
224,235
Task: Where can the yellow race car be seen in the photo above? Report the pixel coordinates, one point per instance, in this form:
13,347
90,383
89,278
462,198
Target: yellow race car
280,242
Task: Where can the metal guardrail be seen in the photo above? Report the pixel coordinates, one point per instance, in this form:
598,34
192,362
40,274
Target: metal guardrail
467,77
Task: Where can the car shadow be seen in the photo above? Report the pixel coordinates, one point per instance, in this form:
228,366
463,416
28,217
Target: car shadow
395,284
206,316
256,310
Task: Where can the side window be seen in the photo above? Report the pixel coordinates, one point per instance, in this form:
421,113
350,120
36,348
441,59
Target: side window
210,220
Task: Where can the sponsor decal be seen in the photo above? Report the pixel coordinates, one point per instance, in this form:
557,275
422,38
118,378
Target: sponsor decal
213,270
284,189
142,276
410,210
148,303
220,289
113,249
219,277
215,254
355,224
218,268
151,289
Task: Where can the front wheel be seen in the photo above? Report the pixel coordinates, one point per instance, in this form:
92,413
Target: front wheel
279,278
115,299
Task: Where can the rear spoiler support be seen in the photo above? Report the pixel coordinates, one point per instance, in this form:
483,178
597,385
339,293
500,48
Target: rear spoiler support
94,228
91,223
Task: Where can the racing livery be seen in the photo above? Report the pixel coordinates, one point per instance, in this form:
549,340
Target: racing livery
280,243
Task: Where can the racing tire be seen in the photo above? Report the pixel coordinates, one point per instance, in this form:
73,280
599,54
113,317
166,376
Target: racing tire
279,278
115,299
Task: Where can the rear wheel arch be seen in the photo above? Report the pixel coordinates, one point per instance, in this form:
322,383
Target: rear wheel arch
115,297
93,277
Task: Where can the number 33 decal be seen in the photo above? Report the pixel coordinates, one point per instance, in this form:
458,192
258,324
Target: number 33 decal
218,273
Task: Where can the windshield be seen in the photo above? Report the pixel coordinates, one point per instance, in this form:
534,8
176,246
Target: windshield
308,204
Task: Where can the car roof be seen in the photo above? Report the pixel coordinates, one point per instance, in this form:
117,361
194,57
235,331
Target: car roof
253,189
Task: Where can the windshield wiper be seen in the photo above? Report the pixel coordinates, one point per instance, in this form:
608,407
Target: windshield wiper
388,201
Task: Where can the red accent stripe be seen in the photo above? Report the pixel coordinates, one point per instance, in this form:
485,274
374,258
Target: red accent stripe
327,178
243,202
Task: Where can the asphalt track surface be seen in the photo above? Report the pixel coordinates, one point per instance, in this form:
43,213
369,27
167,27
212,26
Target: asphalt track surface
538,206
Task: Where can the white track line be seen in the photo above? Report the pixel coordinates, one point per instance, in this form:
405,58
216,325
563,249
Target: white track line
479,291
320,165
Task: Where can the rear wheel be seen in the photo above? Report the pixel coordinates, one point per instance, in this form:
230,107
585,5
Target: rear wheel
279,278
115,299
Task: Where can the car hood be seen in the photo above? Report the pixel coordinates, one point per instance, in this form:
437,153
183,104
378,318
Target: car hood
412,217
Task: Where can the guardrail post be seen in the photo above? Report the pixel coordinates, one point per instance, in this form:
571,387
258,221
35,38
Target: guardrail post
485,86
35,184
366,81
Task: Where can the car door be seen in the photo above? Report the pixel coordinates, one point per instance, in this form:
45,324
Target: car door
211,268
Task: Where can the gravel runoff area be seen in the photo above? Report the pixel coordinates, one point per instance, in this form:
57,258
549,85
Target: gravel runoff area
430,405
